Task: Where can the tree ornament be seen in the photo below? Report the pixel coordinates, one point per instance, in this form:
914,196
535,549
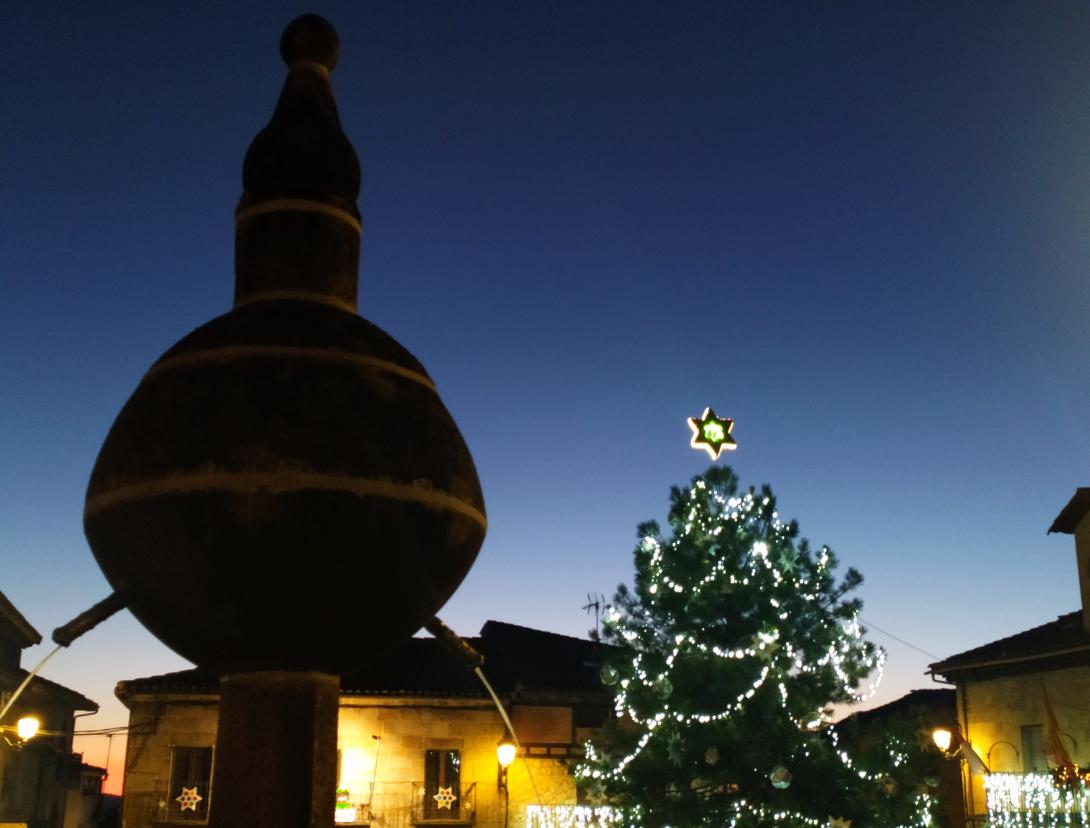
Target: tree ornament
609,675
712,433
675,748
924,739
787,560
839,823
765,643
705,787
445,798
596,792
931,781
663,687
780,777
188,799
888,784
711,755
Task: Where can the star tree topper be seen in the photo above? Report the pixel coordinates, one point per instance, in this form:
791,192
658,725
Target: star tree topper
712,433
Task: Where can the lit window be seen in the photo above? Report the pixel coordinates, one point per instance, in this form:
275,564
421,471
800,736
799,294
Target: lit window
442,781
190,784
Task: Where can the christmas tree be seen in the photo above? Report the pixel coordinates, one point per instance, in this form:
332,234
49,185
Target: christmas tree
727,657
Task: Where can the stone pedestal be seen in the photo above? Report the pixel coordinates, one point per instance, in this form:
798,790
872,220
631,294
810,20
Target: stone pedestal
276,751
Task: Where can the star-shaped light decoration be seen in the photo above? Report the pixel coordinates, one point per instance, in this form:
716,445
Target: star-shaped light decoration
712,433
787,560
839,823
189,798
445,798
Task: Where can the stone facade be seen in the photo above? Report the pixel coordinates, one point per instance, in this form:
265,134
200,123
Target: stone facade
393,763
158,724
997,714
416,736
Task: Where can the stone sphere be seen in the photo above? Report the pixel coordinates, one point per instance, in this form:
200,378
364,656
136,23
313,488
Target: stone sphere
284,490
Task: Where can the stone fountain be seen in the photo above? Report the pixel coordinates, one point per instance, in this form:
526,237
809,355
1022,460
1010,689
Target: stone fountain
285,495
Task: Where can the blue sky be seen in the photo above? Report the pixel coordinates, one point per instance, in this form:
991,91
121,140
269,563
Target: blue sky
859,229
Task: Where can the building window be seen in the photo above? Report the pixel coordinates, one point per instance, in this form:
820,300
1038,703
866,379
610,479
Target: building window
442,780
190,788
1033,749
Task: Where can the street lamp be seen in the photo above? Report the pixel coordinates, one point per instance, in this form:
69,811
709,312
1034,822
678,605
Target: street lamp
506,751
942,738
25,730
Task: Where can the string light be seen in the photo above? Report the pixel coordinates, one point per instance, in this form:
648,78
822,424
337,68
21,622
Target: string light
1034,800
572,816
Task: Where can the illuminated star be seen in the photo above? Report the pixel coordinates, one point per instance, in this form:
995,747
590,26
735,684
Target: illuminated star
445,798
188,799
712,433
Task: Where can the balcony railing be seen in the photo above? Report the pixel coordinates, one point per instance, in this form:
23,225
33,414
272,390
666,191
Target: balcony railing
444,804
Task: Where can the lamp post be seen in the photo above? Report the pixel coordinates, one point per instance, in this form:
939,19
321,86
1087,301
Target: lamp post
505,755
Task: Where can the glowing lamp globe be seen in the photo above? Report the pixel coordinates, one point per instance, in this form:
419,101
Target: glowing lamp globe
942,738
505,753
27,728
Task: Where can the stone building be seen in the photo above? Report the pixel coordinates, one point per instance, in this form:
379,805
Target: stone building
37,778
417,735
1004,691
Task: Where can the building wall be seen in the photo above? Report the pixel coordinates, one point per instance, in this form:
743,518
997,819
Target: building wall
83,800
406,727
156,727
992,713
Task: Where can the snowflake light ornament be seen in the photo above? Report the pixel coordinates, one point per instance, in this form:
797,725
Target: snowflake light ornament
445,798
188,799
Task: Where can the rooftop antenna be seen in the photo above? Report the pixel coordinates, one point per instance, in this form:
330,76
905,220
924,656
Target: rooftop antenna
595,602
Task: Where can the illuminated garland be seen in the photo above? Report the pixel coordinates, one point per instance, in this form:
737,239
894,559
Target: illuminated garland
1034,800
571,816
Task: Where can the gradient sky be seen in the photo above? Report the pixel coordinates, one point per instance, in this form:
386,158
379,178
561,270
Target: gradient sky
860,229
